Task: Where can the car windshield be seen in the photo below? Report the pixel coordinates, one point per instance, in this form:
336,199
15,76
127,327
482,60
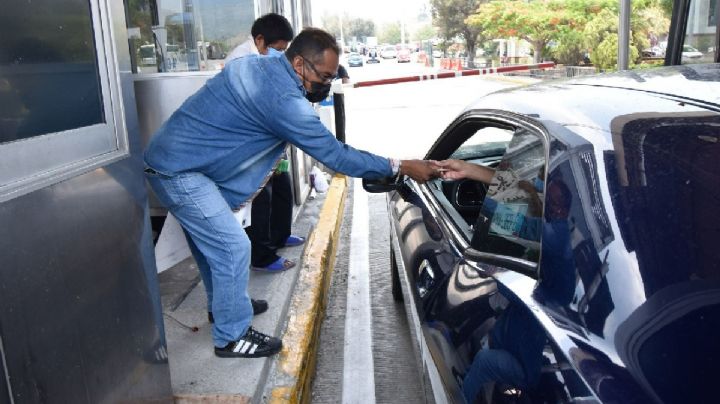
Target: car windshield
480,151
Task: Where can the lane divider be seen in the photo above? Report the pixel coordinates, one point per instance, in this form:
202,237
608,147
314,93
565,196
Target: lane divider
358,368
460,73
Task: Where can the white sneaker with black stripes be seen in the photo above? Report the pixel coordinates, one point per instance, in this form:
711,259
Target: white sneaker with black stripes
253,344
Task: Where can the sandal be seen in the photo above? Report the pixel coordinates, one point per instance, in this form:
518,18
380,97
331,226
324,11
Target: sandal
280,265
294,241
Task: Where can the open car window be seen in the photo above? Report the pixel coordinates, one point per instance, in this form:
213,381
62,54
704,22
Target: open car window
480,142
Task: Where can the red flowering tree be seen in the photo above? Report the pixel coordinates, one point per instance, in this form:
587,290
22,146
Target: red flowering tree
537,22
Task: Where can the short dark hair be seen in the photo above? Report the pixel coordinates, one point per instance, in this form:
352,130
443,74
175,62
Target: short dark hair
273,27
311,43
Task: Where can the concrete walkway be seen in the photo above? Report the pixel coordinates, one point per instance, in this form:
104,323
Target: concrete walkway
296,300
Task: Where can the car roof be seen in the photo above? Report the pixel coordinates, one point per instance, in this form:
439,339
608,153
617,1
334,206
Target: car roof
596,101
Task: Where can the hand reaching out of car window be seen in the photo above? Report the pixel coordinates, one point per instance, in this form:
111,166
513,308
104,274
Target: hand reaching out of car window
419,170
459,169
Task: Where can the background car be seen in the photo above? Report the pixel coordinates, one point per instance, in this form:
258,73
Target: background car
403,55
372,56
355,60
586,270
655,51
388,52
689,52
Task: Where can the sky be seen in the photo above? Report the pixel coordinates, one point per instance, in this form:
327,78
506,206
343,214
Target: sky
380,11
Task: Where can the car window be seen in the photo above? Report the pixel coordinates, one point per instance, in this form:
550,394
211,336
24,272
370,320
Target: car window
511,216
479,144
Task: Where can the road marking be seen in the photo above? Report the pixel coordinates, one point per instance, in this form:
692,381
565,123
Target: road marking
358,372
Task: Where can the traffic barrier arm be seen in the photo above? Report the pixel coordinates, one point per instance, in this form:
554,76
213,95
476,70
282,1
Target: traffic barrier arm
445,75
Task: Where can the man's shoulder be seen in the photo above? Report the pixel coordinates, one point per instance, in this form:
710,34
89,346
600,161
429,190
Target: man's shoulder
242,50
270,76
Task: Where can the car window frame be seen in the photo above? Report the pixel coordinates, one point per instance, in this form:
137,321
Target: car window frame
444,146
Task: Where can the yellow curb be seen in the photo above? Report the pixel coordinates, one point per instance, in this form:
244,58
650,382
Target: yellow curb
211,399
297,359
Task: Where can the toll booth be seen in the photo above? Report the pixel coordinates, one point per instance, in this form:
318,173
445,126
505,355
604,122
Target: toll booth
80,315
82,85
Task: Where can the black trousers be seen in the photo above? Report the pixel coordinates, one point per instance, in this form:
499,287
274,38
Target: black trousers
271,219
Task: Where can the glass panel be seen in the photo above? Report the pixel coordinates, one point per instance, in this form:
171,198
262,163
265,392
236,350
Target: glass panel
668,199
186,35
514,203
700,37
48,69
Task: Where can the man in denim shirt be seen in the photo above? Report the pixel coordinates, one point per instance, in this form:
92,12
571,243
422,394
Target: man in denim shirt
214,153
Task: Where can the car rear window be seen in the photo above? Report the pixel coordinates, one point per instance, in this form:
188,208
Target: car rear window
665,184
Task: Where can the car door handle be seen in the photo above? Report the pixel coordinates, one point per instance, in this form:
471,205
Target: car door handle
426,278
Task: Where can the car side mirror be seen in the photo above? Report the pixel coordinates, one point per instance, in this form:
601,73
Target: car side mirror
502,261
379,185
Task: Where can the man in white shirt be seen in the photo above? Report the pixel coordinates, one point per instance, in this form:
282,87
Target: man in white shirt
271,31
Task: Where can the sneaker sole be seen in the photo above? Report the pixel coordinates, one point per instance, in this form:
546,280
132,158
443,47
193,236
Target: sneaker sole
226,354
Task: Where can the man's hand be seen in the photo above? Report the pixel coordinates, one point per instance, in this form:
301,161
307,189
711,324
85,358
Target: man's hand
452,169
459,169
419,170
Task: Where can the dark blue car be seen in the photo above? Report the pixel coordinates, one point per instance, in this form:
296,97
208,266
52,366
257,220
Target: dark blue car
588,269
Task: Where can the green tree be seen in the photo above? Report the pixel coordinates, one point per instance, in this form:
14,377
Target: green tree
423,33
331,24
390,33
648,19
537,22
573,27
569,43
352,27
450,16
359,28
570,49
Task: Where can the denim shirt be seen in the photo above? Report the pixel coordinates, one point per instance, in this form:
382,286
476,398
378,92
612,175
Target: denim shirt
235,128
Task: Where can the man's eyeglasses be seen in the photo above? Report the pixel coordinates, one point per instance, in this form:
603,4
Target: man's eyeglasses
326,78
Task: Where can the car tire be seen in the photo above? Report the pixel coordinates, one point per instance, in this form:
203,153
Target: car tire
395,278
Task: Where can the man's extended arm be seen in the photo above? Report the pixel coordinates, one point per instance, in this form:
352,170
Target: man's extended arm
296,121
458,169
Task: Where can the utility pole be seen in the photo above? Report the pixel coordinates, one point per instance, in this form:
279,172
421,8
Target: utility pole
342,35
624,36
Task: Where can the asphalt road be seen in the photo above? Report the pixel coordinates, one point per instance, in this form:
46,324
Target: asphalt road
365,353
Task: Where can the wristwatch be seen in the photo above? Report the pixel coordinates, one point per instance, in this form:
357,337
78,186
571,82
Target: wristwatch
395,166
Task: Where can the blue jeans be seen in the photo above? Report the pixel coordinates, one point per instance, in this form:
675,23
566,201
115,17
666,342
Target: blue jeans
492,365
219,244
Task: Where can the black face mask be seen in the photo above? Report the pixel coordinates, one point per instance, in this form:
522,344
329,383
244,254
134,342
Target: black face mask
318,91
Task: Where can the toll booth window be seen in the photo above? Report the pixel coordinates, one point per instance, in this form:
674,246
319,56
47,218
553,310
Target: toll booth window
182,36
700,44
60,105
49,80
